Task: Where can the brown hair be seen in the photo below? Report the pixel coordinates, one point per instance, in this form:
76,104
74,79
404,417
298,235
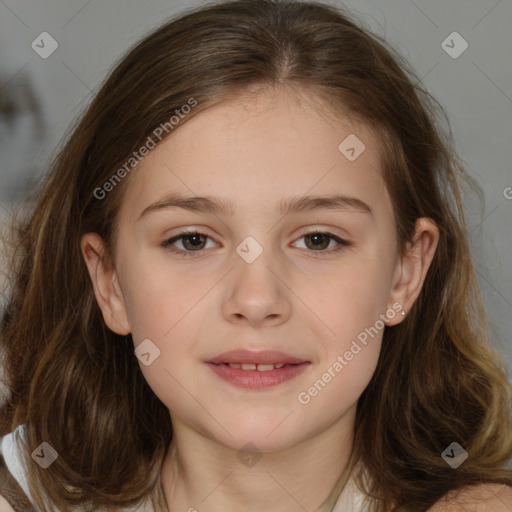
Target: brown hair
78,386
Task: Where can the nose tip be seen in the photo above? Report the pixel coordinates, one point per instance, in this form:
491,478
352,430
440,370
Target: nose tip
255,295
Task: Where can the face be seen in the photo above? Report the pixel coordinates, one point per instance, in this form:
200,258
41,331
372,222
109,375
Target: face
257,276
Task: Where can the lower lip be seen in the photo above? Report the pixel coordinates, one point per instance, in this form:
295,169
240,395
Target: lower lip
254,379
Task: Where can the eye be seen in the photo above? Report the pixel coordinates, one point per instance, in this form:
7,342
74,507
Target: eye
195,241
192,241
318,241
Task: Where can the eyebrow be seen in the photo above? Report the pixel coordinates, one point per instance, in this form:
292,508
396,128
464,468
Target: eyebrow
287,206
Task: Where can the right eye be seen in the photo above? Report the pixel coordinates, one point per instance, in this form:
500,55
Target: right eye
192,242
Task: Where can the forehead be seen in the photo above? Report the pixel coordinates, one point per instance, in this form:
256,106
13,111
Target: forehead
257,148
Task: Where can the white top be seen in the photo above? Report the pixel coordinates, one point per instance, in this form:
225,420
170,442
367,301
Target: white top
350,499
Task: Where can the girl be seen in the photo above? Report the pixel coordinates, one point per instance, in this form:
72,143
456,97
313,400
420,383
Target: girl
246,284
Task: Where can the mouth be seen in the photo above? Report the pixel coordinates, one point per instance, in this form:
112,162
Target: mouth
257,370
260,367
261,358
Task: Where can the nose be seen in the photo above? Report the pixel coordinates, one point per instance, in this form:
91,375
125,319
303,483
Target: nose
256,293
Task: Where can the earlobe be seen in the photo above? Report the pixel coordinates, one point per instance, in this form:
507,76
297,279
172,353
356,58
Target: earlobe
105,284
413,267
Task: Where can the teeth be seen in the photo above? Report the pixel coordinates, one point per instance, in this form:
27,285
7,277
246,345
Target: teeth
259,367
265,367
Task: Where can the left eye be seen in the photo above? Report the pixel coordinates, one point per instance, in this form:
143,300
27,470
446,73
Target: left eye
317,241
195,241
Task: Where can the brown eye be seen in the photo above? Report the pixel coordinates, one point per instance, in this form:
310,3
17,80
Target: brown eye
318,241
192,242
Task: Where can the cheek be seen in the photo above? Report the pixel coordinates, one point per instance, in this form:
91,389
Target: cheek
166,309
350,298
352,308
351,304
336,387
156,300
353,347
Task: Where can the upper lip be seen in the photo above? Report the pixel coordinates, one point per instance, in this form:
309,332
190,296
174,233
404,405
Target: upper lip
256,357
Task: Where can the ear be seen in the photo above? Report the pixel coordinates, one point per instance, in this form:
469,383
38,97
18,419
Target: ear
105,283
412,268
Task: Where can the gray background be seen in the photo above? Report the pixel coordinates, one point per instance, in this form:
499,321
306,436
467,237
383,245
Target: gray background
475,89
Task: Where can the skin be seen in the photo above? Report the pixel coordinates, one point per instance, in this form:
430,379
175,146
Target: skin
292,298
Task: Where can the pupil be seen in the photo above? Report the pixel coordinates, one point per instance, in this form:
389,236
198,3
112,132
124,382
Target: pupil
196,240
317,237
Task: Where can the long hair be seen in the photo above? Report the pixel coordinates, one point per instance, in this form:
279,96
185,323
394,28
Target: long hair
77,385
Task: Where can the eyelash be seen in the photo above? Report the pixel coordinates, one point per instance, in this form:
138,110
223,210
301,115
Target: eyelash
192,254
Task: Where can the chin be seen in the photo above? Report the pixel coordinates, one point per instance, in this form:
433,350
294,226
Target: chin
263,436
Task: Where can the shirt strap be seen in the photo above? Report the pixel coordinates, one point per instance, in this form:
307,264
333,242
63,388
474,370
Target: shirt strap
11,490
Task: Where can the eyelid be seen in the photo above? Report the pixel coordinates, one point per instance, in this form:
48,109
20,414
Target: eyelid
319,228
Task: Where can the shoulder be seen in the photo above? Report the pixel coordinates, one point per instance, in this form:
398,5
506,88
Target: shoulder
476,498
4,505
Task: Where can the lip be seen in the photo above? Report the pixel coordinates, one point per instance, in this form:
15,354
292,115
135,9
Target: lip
256,357
255,379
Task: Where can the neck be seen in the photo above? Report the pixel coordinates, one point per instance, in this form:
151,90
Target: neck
200,475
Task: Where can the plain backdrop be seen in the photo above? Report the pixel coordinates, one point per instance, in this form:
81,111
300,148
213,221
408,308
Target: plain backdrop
42,96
